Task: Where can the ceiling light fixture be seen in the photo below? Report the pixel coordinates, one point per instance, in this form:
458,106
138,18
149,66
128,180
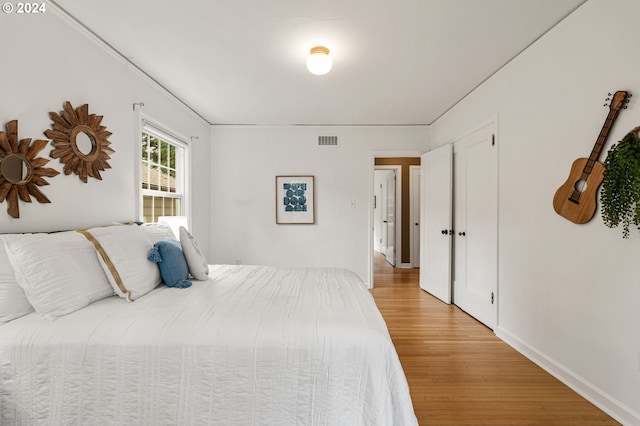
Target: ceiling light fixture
318,61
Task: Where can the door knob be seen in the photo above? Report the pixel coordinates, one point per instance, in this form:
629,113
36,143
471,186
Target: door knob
462,234
444,232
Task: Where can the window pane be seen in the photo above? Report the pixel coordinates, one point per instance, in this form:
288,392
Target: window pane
144,175
172,160
147,209
153,149
145,147
153,207
165,154
158,208
155,178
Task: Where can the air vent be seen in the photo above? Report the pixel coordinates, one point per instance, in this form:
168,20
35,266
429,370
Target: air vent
327,141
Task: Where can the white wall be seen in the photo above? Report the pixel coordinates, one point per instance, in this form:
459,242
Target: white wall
569,295
244,163
48,60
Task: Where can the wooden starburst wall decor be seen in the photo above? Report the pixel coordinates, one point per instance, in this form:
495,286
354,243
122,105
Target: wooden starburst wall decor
21,172
80,141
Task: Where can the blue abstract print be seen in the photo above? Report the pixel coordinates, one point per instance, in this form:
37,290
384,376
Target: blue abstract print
295,199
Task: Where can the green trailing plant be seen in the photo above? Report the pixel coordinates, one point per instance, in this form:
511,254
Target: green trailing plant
620,194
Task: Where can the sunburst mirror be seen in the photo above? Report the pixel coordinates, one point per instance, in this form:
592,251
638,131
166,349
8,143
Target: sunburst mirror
21,172
80,141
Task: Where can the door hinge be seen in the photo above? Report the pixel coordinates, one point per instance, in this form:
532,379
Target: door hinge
492,298
493,139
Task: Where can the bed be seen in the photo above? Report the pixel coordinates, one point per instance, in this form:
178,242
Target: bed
250,345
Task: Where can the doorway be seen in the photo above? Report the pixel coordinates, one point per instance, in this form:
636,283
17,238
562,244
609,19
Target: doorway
386,208
397,214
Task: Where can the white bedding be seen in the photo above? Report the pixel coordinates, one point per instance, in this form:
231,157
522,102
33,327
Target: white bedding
253,345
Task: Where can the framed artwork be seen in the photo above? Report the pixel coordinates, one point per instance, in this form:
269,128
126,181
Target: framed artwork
294,200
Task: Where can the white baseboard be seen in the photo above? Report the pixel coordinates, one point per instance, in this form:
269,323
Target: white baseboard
619,411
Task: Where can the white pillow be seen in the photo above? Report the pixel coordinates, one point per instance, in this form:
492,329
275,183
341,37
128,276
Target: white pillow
158,231
13,301
198,266
59,273
122,251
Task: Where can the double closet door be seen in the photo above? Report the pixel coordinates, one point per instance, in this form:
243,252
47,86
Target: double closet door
459,238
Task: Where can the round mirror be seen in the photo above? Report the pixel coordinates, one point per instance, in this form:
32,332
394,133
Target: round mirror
78,131
15,168
85,143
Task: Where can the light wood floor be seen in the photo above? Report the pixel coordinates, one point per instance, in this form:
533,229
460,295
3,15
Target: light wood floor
459,372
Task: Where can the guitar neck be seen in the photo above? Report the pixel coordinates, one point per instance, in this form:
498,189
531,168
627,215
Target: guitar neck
602,139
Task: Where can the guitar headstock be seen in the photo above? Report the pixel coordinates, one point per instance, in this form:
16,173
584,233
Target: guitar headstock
618,100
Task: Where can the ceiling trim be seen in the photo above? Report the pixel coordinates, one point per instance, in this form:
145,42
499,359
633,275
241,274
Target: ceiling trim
316,125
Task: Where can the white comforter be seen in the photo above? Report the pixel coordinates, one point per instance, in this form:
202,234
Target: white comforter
253,345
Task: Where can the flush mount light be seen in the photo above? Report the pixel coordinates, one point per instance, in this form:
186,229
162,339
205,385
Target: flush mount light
318,61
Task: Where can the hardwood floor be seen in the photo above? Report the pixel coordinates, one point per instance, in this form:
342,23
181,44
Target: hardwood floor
459,372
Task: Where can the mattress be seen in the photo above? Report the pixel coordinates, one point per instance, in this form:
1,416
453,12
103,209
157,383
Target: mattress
253,345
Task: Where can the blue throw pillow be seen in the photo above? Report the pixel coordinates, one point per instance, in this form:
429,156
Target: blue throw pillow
172,263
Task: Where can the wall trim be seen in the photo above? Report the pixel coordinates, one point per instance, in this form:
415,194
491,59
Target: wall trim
616,409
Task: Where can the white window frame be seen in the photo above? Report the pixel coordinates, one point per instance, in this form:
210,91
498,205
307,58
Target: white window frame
183,179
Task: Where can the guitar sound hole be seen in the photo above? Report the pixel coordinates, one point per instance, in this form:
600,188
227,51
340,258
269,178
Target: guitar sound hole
581,185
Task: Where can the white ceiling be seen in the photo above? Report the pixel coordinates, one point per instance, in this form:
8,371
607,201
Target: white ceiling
396,62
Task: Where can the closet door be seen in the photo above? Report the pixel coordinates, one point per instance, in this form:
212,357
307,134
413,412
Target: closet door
436,216
476,225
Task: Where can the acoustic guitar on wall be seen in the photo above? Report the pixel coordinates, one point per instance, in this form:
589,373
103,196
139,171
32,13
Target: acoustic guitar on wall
576,199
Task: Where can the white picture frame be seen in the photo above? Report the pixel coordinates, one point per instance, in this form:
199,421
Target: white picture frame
295,200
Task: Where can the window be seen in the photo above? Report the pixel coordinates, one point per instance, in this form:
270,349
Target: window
163,174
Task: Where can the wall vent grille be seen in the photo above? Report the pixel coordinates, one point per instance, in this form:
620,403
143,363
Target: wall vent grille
327,141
